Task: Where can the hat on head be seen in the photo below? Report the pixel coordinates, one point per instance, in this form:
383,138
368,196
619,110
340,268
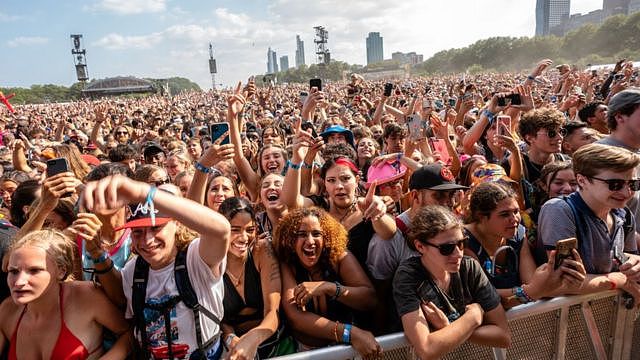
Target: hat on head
626,97
90,159
339,130
141,216
433,177
385,172
489,173
151,148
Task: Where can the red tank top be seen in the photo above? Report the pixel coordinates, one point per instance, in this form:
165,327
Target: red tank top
67,347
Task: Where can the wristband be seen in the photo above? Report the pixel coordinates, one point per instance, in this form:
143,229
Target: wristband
294,166
149,204
100,259
338,291
531,77
228,340
306,166
346,334
522,295
490,116
104,271
202,168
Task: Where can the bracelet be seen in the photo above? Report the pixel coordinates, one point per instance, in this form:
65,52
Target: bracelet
338,290
531,77
100,259
612,284
202,168
335,331
306,166
228,340
104,271
294,166
346,334
149,204
522,295
490,116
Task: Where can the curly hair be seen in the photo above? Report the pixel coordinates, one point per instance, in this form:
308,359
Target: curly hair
430,221
534,120
333,233
485,198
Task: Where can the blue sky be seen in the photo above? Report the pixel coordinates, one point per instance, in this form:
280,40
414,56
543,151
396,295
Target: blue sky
163,38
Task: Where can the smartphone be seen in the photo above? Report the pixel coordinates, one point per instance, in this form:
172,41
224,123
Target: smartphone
452,102
316,83
563,250
306,126
303,97
504,122
216,130
440,146
388,88
415,125
57,166
515,99
619,256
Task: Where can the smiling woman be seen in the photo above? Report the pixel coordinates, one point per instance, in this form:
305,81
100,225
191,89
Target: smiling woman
322,283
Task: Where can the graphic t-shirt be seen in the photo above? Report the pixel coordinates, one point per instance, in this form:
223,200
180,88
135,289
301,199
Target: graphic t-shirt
161,286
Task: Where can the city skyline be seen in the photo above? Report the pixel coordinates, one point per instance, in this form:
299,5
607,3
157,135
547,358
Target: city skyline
165,38
375,48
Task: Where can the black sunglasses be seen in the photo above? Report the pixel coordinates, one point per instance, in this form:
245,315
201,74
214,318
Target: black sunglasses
447,249
162,181
618,184
552,133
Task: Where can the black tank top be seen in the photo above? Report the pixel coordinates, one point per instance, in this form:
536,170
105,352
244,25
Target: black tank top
233,303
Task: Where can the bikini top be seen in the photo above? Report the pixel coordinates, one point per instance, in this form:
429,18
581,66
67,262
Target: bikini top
233,302
67,347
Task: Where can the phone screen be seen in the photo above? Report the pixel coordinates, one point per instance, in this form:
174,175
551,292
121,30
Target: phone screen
317,83
388,88
439,146
217,130
57,166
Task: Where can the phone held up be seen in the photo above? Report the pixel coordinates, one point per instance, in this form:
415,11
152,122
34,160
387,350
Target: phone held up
513,99
504,124
316,83
217,130
563,250
388,88
58,166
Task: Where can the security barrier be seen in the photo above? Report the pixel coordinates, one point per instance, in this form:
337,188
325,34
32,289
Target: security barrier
593,326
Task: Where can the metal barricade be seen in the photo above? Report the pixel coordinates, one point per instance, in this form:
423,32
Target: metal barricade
593,326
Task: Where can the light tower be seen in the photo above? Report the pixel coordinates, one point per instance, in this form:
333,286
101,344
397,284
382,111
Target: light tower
212,67
79,58
322,53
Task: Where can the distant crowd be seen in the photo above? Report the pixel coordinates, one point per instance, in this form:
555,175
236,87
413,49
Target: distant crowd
256,222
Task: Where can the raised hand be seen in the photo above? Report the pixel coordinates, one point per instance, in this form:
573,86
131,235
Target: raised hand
371,206
236,102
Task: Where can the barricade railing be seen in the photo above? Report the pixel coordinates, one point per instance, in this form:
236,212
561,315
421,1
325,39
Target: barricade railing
592,326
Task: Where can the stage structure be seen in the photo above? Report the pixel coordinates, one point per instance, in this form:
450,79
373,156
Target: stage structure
79,58
213,70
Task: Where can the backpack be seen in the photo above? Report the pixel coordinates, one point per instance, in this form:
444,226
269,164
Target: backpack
186,294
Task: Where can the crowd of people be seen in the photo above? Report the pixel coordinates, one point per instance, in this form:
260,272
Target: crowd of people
255,222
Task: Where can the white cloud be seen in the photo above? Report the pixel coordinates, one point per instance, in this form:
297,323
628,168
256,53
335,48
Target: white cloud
119,42
128,7
27,41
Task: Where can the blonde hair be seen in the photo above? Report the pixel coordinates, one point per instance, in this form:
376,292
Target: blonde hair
60,248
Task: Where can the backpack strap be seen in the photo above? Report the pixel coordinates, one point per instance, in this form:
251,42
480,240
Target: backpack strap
138,297
190,299
404,229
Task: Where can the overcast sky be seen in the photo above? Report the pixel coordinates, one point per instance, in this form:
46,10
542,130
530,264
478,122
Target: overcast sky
163,38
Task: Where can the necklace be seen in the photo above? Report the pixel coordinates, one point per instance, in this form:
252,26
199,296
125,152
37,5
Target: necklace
349,211
236,280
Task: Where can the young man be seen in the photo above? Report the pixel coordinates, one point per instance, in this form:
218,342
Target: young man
597,217
595,115
394,138
578,135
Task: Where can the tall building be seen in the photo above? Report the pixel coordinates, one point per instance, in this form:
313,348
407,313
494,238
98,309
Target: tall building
407,58
634,6
272,62
374,48
299,51
550,14
615,7
284,63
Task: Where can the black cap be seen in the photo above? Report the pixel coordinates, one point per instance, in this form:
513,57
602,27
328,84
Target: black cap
433,177
151,148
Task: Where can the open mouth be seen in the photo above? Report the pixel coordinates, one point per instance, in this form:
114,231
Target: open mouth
272,167
273,196
309,251
240,246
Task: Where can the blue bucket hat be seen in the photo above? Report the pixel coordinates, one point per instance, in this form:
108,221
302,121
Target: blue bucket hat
340,130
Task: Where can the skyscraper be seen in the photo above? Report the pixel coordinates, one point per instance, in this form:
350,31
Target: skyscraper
284,63
549,14
272,62
374,48
299,51
615,7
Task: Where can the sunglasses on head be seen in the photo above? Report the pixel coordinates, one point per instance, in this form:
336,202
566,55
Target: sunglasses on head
162,181
618,184
552,133
447,249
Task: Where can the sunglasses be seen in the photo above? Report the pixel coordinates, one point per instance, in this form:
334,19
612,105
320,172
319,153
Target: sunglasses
122,133
552,133
162,181
447,249
618,184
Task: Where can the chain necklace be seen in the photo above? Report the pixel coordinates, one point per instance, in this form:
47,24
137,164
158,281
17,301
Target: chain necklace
236,280
349,211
